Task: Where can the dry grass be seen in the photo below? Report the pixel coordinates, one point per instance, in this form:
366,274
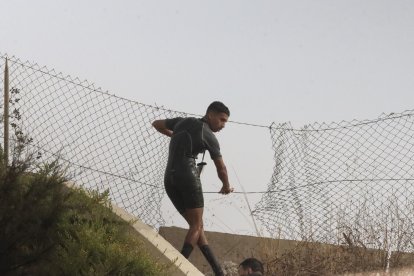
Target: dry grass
409,271
372,233
309,258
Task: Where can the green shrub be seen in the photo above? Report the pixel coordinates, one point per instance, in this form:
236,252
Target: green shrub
96,242
49,229
30,208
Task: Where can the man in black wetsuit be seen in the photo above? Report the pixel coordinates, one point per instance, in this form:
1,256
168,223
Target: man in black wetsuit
189,137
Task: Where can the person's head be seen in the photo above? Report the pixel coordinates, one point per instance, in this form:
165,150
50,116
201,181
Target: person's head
217,115
249,266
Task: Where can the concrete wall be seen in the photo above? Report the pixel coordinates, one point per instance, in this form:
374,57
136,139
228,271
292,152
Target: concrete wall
229,249
232,249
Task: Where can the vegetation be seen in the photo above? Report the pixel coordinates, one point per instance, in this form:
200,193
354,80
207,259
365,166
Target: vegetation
311,258
49,229
373,233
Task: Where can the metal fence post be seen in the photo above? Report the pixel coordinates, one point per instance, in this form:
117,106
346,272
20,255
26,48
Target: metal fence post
6,114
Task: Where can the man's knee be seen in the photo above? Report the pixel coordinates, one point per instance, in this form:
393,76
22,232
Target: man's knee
197,226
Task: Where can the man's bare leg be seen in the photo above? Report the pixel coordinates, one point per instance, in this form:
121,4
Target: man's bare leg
196,235
194,217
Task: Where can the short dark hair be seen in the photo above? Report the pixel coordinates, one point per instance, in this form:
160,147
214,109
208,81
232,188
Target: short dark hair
254,264
219,107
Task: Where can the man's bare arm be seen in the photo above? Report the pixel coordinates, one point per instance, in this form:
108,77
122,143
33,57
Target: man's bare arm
160,126
222,174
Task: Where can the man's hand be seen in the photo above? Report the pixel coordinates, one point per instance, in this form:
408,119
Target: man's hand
222,174
226,190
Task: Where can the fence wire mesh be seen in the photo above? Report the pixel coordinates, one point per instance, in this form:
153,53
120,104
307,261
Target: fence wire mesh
331,182
343,181
107,141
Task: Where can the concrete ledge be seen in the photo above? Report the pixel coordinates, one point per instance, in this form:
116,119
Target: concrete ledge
155,244
158,246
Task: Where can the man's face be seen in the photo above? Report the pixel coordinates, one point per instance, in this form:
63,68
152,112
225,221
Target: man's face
244,271
217,120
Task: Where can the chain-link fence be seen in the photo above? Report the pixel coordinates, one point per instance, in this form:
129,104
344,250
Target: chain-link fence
107,141
330,182
343,181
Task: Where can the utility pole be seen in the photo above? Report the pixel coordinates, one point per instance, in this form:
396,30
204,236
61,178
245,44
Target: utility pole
6,114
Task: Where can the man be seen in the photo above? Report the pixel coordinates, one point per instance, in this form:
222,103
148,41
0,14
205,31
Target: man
189,137
251,267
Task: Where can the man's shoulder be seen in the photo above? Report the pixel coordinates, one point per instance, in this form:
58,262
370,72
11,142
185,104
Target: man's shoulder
185,123
185,119
189,120
171,122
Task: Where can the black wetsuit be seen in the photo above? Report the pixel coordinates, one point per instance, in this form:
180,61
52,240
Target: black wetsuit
191,136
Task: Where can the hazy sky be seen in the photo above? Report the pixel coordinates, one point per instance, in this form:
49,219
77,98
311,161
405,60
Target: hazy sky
298,61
